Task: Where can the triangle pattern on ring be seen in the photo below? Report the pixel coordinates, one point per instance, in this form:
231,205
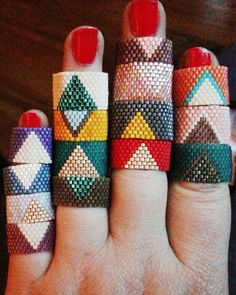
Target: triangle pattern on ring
74,121
78,164
142,155
35,211
202,133
141,128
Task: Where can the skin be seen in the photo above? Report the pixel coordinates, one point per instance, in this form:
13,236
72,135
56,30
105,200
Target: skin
147,244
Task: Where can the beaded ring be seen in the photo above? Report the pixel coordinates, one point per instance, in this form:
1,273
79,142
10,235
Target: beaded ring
201,163
142,119
201,86
140,154
145,49
31,145
143,80
80,91
88,159
199,124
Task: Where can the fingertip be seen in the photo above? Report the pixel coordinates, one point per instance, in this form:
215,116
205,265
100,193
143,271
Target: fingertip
198,57
33,119
83,50
144,18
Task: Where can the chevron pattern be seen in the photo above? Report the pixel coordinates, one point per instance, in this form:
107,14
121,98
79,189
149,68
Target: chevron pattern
202,125
80,91
142,120
30,238
35,208
80,125
201,86
81,191
31,145
88,159
149,81
27,179
140,154
146,49
202,163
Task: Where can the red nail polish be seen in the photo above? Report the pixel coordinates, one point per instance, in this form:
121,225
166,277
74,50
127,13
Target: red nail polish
30,120
144,19
84,45
196,57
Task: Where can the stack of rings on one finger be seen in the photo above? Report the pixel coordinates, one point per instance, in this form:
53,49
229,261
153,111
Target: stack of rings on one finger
80,102
142,111
30,213
201,152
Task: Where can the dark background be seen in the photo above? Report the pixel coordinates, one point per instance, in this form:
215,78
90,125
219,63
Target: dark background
31,42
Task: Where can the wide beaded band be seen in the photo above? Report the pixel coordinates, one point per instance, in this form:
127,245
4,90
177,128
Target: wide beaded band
199,124
80,125
142,120
30,238
201,163
81,191
27,179
146,49
87,159
31,145
143,80
80,91
201,86
140,154
34,208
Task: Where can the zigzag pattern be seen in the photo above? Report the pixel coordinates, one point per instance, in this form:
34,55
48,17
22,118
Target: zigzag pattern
202,125
33,208
146,49
88,159
30,238
142,120
81,191
27,179
31,145
80,91
148,81
201,86
80,125
201,163
140,154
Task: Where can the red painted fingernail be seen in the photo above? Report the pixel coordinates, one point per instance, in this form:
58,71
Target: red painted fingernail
196,57
30,120
144,19
84,45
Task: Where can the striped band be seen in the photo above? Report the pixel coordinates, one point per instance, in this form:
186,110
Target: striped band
142,120
35,208
140,154
81,159
30,238
199,124
81,191
31,145
146,49
147,80
80,125
201,86
27,179
80,91
201,163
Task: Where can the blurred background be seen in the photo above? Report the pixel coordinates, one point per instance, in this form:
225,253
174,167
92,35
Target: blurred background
31,43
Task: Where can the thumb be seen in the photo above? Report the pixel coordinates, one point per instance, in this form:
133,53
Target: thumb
199,204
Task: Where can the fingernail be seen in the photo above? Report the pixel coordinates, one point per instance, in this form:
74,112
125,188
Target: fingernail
196,57
143,16
84,45
30,120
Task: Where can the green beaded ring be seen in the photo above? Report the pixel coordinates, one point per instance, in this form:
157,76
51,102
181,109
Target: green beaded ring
201,163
